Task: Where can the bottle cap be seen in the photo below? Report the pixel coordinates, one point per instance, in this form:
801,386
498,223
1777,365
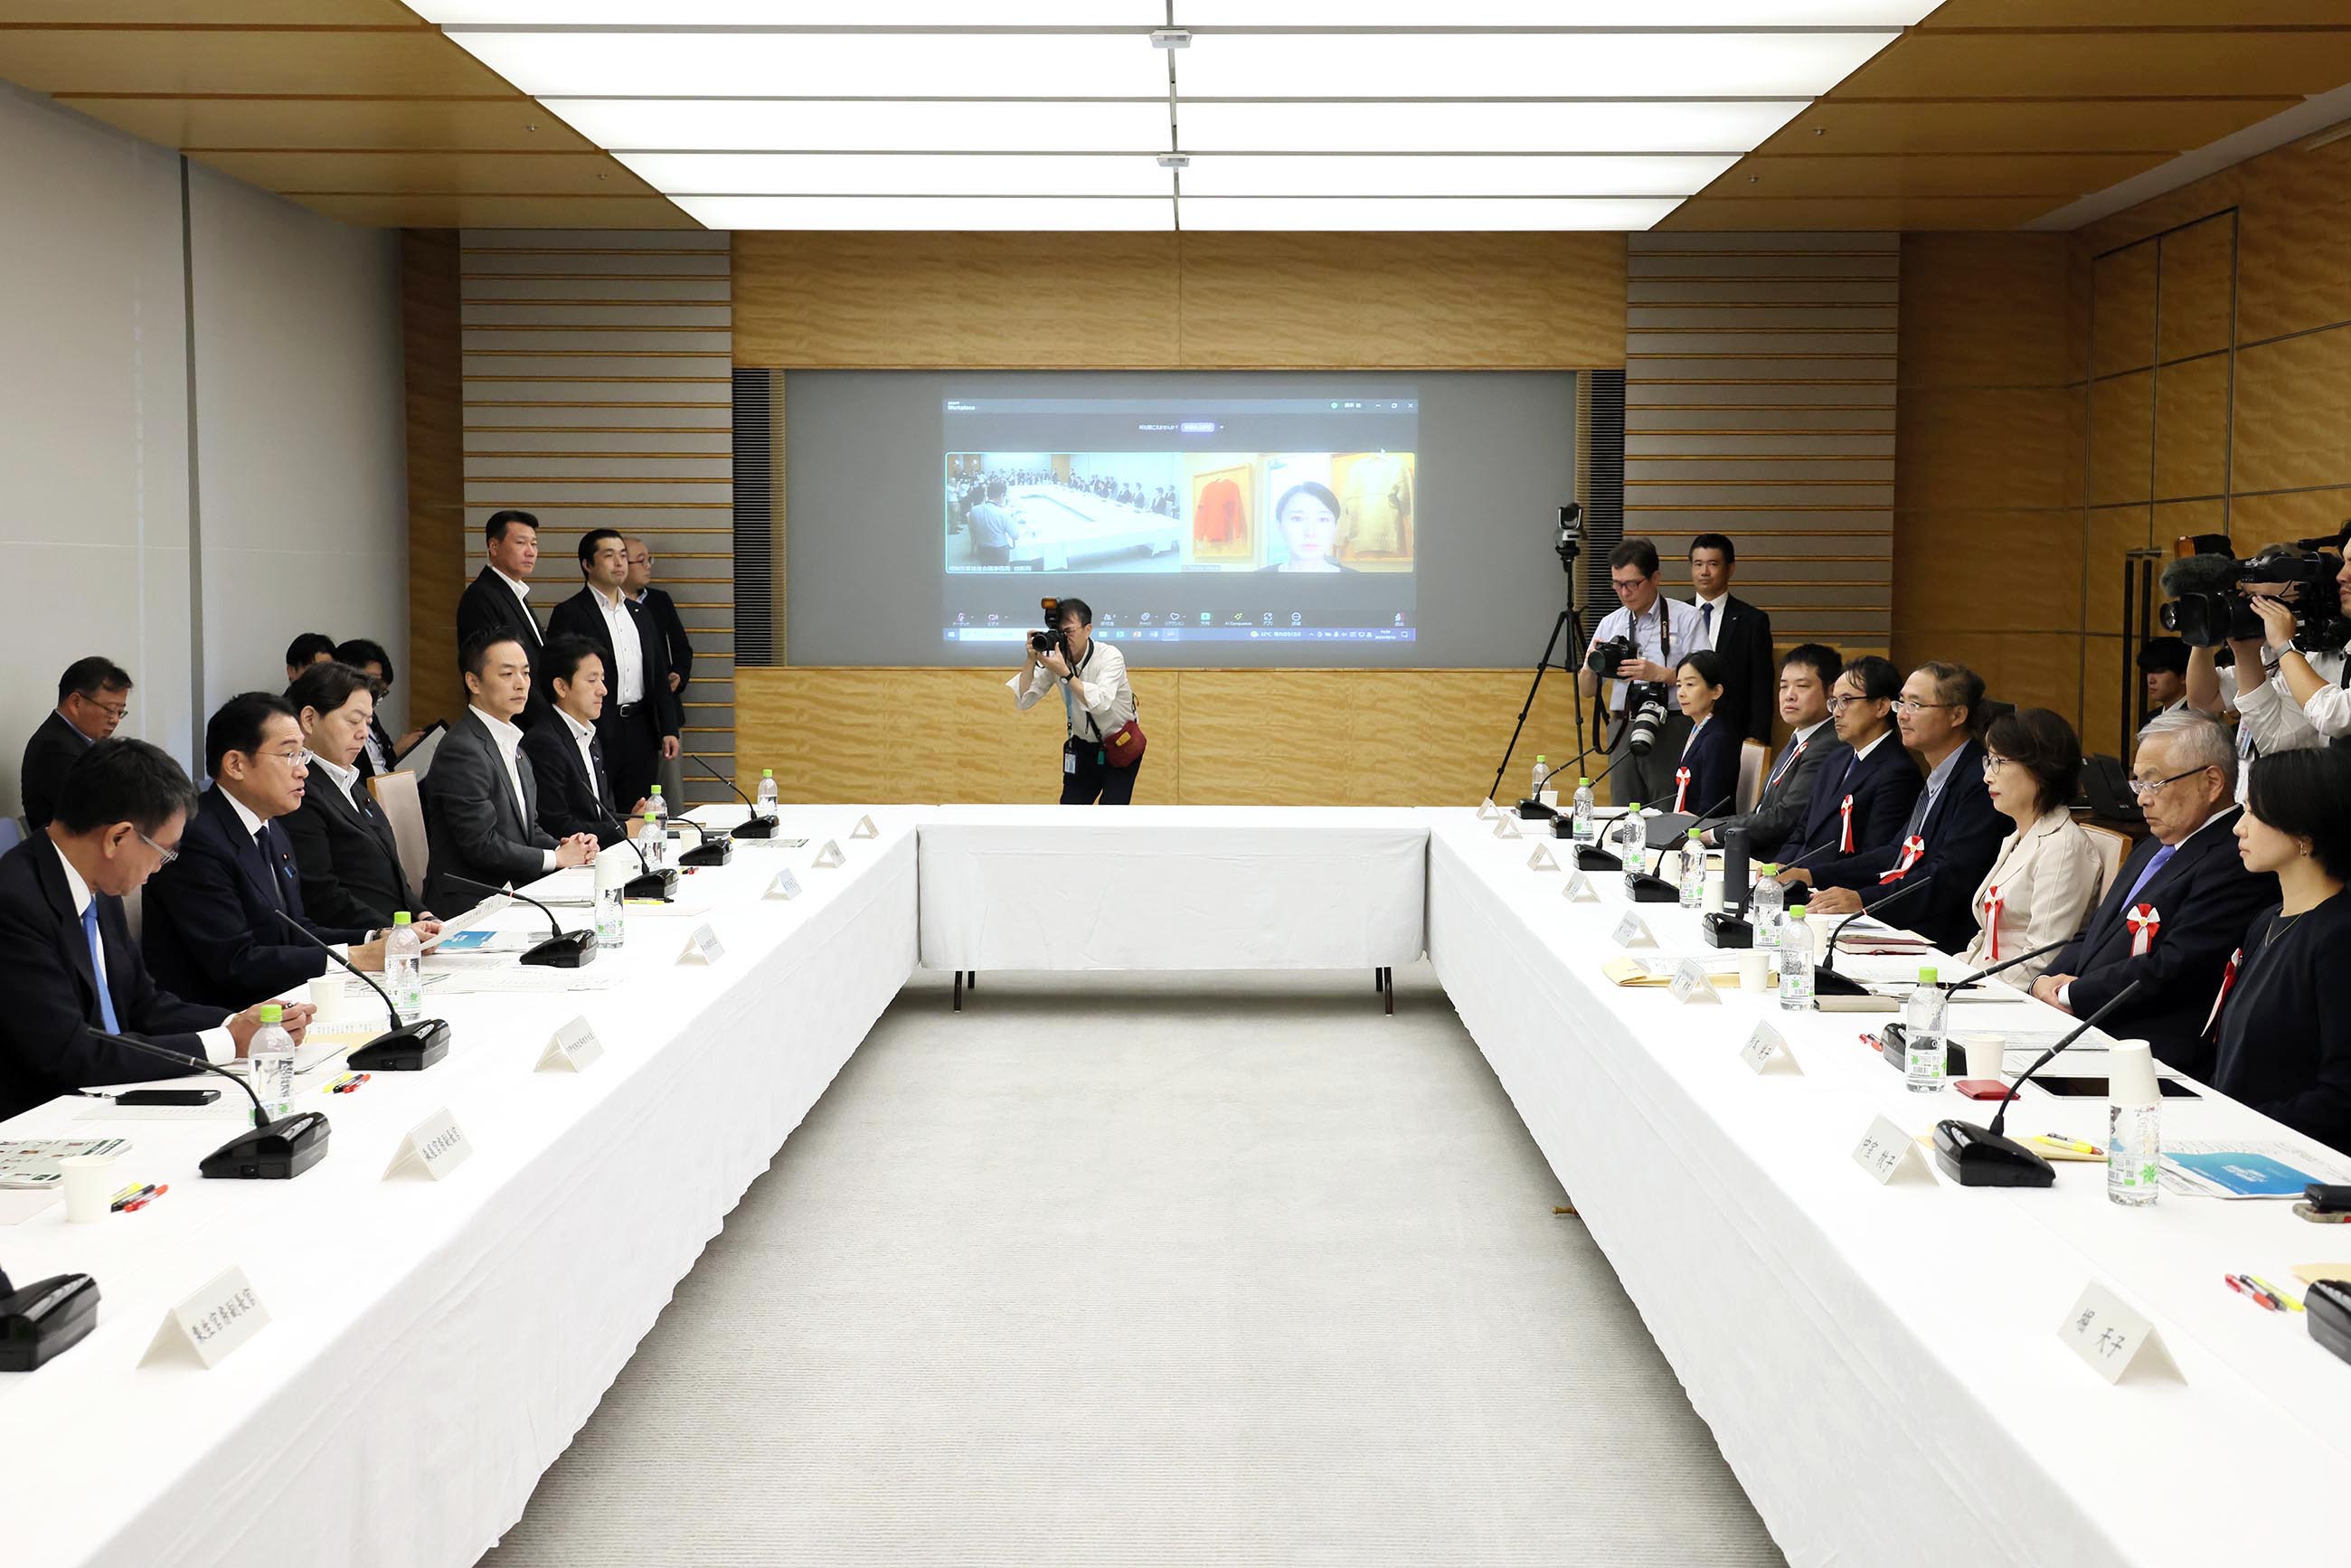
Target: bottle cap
271,1012
400,917
1540,756
766,773
1693,832
1796,911
1768,868
1636,806
656,789
649,816
1927,975
1586,781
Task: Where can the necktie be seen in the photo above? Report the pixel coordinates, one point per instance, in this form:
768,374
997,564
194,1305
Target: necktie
2155,862
596,773
98,968
269,869
1706,623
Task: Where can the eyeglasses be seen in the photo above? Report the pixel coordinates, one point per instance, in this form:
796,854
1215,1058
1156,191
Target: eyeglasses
1994,762
163,857
288,758
1905,705
2143,788
118,712
1838,705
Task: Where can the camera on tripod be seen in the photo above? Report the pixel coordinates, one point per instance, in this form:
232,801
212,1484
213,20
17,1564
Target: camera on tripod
1052,638
2210,604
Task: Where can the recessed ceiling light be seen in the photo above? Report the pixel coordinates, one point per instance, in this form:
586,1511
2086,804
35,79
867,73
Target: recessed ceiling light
1521,65
1033,214
793,13
1230,174
1375,214
1549,14
837,65
1338,126
784,125
900,173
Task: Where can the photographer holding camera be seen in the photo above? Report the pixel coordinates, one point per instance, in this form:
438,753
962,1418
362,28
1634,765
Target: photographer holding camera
1095,698
2286,622
1633,651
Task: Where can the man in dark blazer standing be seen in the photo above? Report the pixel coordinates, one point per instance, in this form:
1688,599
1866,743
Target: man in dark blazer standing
675,645
575,791
1954,832
342,842
93,696
67,965
2177,909
498,598
216,915
1806,674
1739,632
1866,785
481,802
639,724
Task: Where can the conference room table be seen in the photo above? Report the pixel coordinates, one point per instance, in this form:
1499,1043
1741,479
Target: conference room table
1880,1365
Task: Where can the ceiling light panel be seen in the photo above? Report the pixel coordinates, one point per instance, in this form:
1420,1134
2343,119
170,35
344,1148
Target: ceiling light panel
1551,13
1374,214
833,64
1521,65
686,125
1342,127
792,13
900,173
1059,215
1347,175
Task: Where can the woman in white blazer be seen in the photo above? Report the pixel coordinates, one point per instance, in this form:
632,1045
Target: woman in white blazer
2046,875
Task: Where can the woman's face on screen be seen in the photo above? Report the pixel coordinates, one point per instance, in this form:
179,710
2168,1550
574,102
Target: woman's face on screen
1307,525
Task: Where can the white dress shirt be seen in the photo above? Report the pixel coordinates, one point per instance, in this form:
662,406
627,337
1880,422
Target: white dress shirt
1109,701
1647,631
627,654
583,735
345,779
521,592
510,738
1710,626
219,1048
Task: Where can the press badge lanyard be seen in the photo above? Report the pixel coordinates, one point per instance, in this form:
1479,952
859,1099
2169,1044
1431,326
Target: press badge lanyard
1069,708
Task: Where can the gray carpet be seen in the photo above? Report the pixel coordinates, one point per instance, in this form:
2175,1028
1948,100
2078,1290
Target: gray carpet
1224,1269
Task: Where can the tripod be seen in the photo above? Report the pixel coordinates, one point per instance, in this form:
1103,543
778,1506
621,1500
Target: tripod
1569,625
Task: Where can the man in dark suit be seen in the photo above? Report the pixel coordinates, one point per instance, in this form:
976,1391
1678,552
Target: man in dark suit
307,649
1866,785
342,842
216,915
67,965
575,791
481,802
380,753
1739,632
498,598
93,696
1954,832
2180,905
676,646
1805,677
639,724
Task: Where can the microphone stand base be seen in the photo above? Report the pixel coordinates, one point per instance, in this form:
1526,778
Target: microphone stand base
1589,859
716,850
1728,931
410,1048
1973,1156
1827,982
279,1151
650,884
567,951
1647,889
755,828
1536,811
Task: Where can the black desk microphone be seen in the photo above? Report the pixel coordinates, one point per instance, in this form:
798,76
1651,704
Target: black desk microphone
1977,1157
402,1048
1837,984
563,950
273,1151
754,826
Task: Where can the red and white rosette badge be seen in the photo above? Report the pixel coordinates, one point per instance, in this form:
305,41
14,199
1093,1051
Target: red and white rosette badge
1912,848
1993,905
1681,790
2144,922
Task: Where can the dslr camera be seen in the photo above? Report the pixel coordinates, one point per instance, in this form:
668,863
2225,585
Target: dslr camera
1052,638
2210,605
1609,655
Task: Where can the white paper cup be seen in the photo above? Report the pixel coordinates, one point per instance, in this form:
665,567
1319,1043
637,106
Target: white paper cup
89,1187
2130,1073
1754,970
1550,798
327,997
1820,926
1987,1054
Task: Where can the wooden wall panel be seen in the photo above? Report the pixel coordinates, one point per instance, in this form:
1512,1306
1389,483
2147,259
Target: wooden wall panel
2295,269
435,397
2125,288
2192,428
2294,412
2197,268
2122,438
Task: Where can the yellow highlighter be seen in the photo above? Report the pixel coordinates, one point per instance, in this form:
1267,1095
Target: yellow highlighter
2074,1145
2293,1303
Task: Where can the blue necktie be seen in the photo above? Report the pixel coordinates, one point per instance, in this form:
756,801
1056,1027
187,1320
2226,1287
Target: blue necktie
98,968
1706,623
2155,862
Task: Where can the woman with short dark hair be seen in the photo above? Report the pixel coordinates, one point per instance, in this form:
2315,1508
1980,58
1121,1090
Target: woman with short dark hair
2047,874
2284,1014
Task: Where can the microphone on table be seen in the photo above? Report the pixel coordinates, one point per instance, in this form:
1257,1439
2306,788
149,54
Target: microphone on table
402,1048
716,848
653,883
1648,888
1732,928
275,1150
1838,985
1532,807
563,950
1947,987
754,827
1590,857
1979,1156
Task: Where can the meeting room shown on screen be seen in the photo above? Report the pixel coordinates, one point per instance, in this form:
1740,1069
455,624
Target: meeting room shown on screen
1223,518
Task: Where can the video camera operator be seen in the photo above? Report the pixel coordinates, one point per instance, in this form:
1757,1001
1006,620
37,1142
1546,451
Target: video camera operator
1633,650
1095,697
2289,626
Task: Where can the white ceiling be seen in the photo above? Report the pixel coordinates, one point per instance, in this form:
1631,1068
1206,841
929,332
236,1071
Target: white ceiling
1276,114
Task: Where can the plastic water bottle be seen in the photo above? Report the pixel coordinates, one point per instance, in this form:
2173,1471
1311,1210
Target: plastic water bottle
403,968
613,869
1584,827
1768,911
1796,963
766,790
652,837
1926,1035
2134,1125
1542,771
1632,839
269,1062
1693,888
657,809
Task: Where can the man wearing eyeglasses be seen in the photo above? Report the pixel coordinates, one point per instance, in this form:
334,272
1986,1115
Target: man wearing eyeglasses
216,916
93,698
2179,906
68,967
1867,783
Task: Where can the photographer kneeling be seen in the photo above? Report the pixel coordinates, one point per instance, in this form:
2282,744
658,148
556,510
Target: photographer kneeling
1099,703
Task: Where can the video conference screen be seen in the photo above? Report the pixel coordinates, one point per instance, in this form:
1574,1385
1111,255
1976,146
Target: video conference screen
1225,518
1208,520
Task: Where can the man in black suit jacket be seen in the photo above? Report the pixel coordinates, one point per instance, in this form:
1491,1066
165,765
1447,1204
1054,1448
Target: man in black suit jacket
1954,832
639,724
481,801
216,915
342,842
1868,768
61,924
2192,894
93,696
1805,677
1739,632
497,599
639,587
575,791
380,753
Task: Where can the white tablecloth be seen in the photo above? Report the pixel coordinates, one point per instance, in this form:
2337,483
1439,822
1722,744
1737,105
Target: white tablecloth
1880,1365
435,1346
1171,887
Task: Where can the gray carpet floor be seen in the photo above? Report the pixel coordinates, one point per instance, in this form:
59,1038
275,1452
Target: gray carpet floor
1226,1269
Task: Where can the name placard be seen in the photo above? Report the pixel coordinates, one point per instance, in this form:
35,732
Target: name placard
1506,825
574,1048
1692,984
1890,1154
830,856
434,1148
1767,1051
1486,809
865,829
1578,889
702,947
2114,1339
1632,932
209,1325
786,885
1541,860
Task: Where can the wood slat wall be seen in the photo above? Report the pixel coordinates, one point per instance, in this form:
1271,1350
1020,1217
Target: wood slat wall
436,396
1759,402
597,394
